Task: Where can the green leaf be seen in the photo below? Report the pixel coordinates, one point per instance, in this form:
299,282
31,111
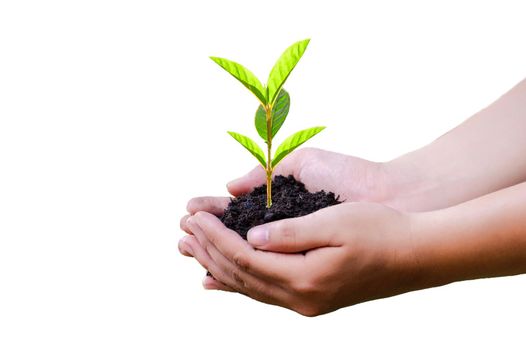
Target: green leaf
294,141
280,110
251,146
261,122
245,76
285,64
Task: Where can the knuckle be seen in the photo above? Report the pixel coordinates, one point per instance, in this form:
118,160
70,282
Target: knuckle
232,287
286,233
199,214
206,247
197,204
204,263
259,290
192,204
308,310
242,261
210,237
300,152
304,151
183,222
304,287
238,279
212,240
298,155
309,284
205,244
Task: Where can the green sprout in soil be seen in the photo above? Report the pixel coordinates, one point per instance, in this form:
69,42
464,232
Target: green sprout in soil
272,111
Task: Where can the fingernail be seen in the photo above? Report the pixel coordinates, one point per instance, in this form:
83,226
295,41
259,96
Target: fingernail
258,236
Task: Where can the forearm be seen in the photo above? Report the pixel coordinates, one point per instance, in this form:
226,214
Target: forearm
482,155
485,237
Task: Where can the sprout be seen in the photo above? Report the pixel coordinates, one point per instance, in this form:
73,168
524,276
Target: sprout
272,111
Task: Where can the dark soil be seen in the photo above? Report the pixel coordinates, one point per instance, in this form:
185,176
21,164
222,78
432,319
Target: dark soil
289,199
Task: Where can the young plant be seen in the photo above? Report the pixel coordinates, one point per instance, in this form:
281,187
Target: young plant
272,111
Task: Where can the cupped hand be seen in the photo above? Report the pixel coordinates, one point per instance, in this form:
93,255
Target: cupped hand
336,257
352,178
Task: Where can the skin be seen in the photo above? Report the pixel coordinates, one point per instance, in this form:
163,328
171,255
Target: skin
346,176
450,211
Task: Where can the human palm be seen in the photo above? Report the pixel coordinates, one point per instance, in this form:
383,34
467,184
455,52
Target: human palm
353,179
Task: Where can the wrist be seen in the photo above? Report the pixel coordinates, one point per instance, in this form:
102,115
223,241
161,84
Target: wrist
428,260
442,248
428,252
477,239
409,186
412,263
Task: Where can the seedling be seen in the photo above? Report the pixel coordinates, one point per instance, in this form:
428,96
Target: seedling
272,111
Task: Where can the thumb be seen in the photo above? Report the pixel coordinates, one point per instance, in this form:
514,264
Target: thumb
257,176
247,182
292,235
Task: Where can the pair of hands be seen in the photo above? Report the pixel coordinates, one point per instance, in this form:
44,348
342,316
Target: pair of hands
470,185
355,251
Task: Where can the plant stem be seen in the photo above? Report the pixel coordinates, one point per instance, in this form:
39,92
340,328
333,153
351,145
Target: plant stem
268,110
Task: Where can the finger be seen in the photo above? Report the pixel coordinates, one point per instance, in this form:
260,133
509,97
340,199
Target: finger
279,268
245,284
212,205
183,226
257,176
190,246
246,183
185,247
233,276
296,234
211,283
241,281
293,164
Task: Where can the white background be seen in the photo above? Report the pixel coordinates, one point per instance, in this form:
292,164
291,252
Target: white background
112,117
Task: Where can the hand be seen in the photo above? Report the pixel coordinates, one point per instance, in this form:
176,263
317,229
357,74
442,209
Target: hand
338,256
353,179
